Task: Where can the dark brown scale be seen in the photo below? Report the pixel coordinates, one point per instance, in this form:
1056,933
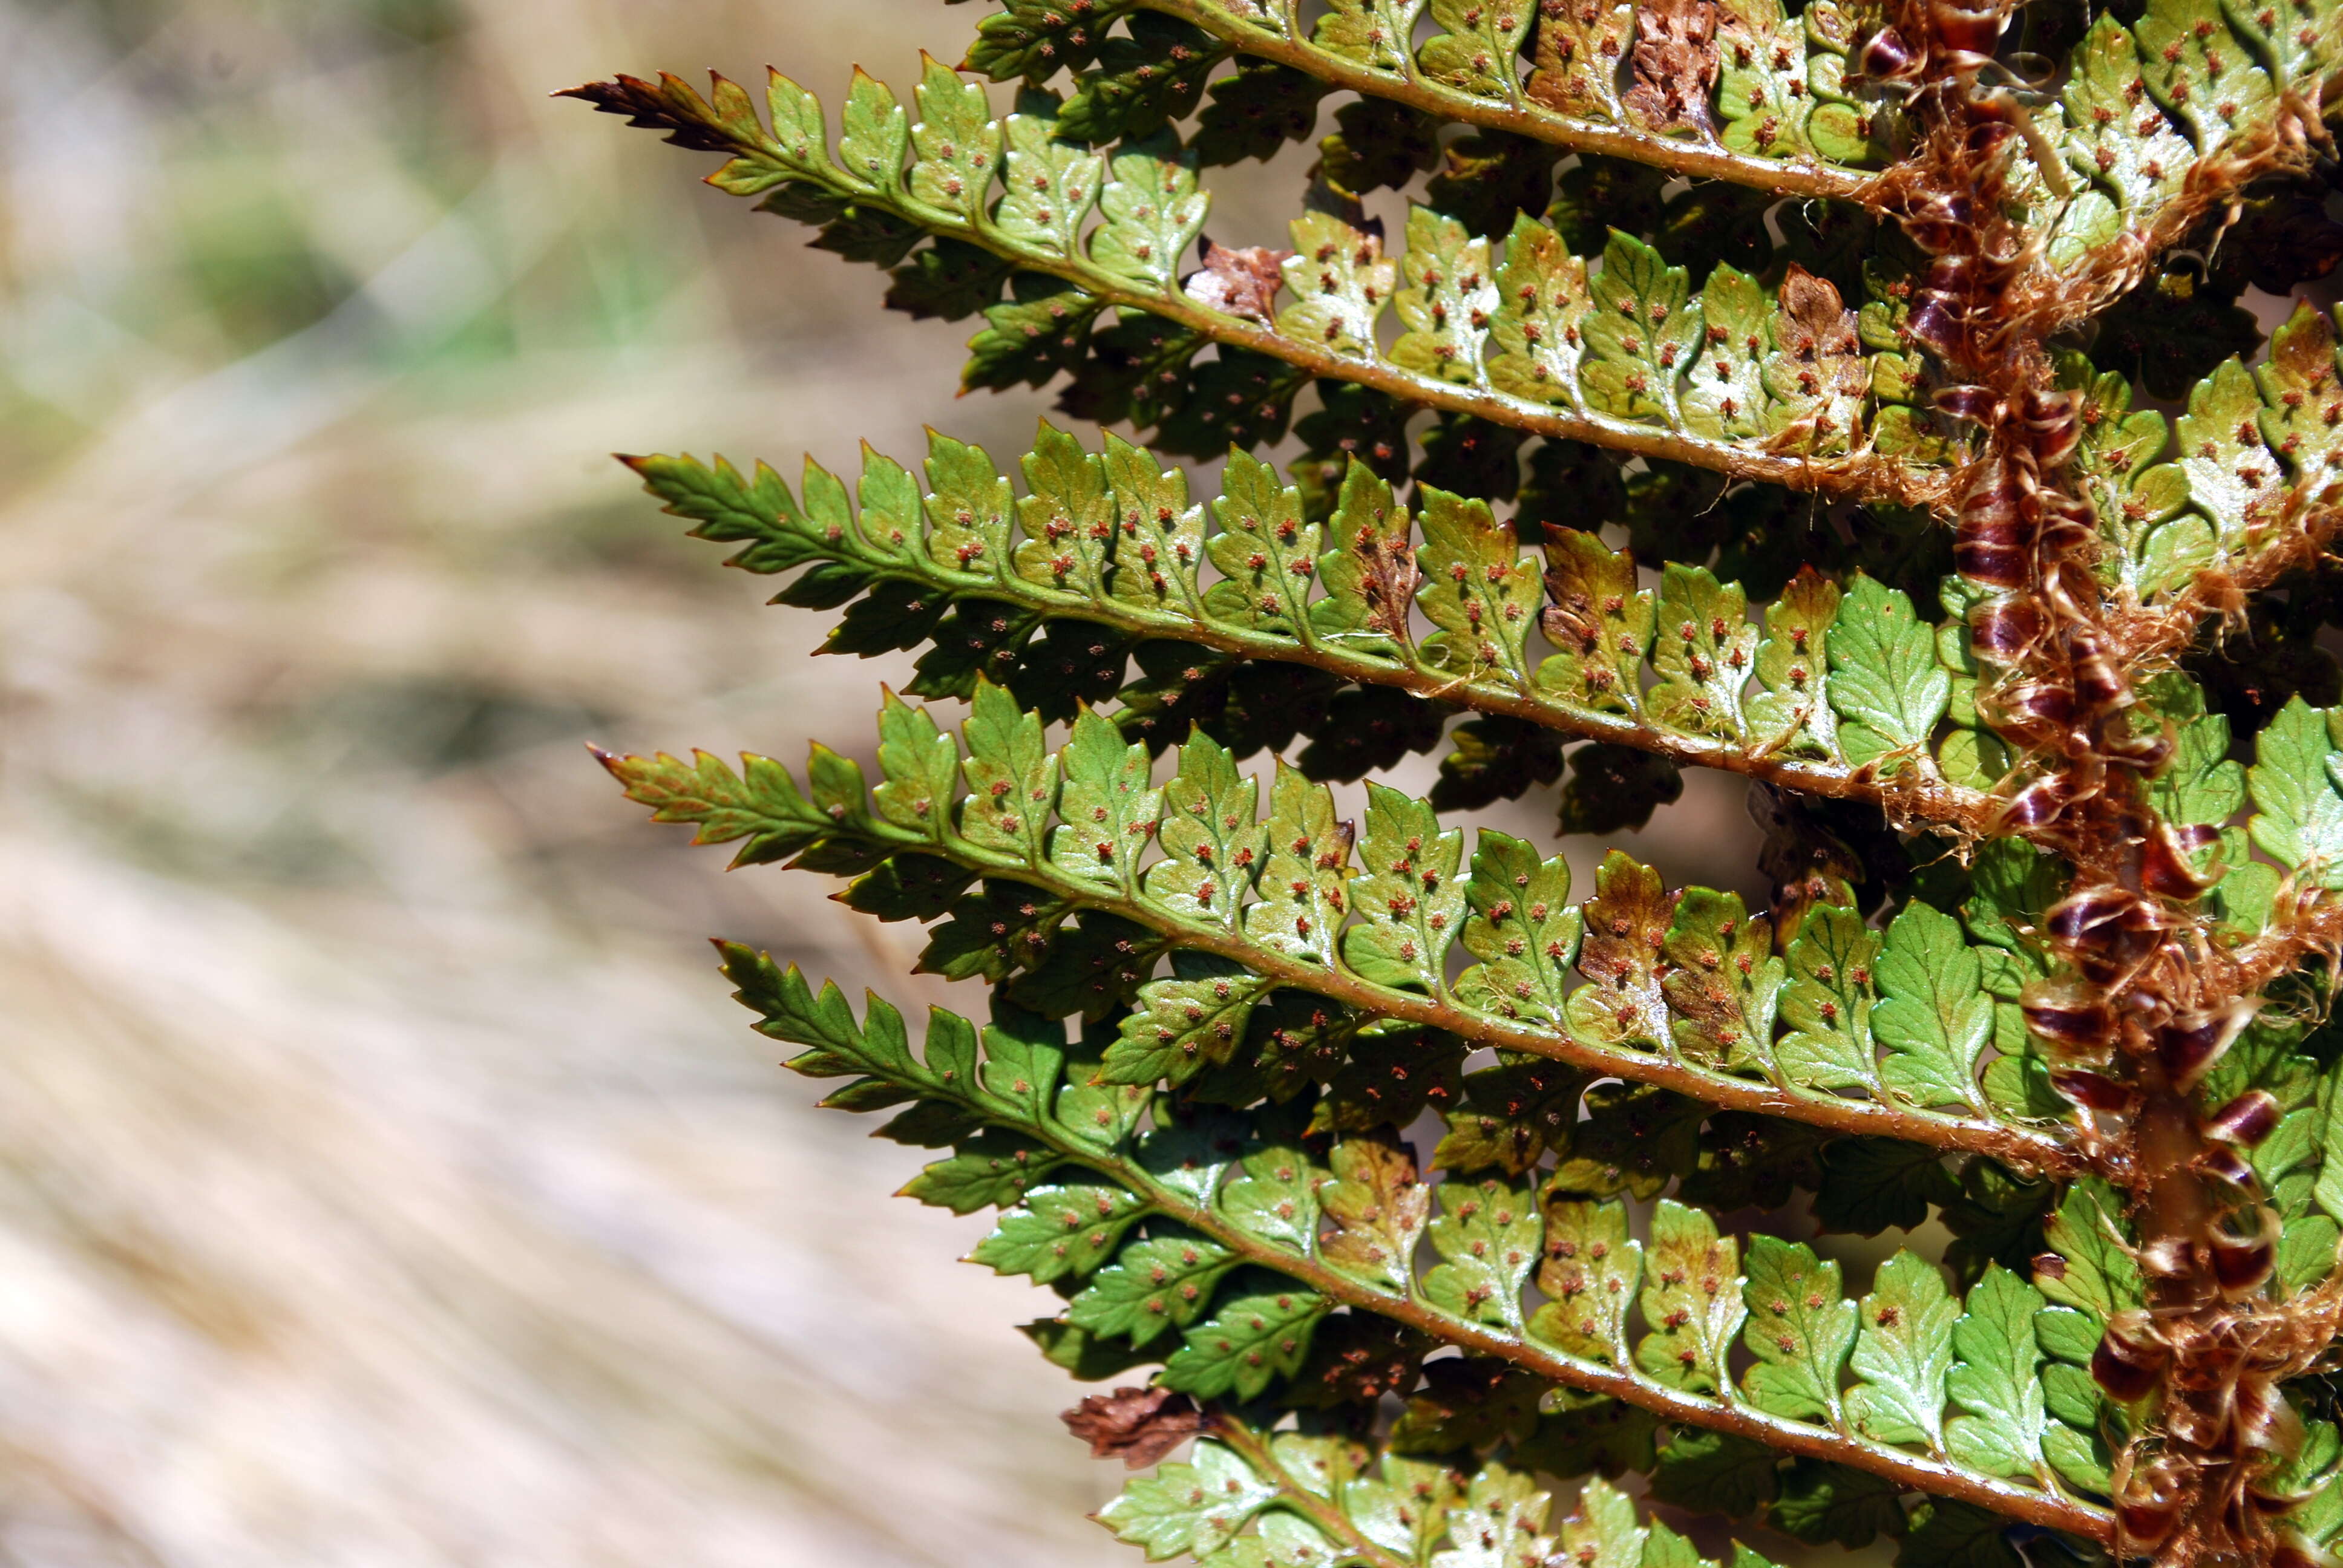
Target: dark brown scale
2295,1550
2074,1019
1979,404
2163,866
2189,1045
2150,1504
2004,630
2265,1422
2144,753
2054,427
1965,30
2240,1264
1992,545
1887,57
2077,916
2094,1090
2040,803
2221,1163
2245,1121
1933,324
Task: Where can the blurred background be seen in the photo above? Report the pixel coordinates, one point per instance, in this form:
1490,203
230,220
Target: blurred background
384,1177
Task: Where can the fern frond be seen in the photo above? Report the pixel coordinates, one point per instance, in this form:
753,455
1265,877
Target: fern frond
1252,1499
1608,355
1470,72
1835,696
1775,100
1228,1254
1682,993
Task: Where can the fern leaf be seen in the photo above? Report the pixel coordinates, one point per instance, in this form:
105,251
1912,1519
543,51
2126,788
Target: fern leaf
1116,544
1628,391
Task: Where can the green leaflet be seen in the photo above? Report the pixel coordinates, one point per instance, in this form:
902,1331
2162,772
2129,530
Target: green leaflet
1578,47
2201,784
1370,572
1725,980
1109,813
1013,777
1640,331
1047,184
1477,45
1274,1196
760,804
2156,544
1904,1354
1499,1522
1059,1230
2233,475
1153,211
1600,622
1303,898
2126,141
1703,649
1541,301
1789,714
1763,105
1692,1294
1264,550
1211,836
1450,294
1513,1114
1489,1238
956,145
2297,799
1283,1540
1185,1024
1378,1208
1523,929
1589,1277
994,1169
2299,395
2098,1277
1886,683
1250,1340
1192,1509
1827,1002
1162,1283
1154,75
1994,1379
1341,283
1410,901
2197,70
1724,393
1372,32
1038,37
1800,1328
1933,1016
1477,589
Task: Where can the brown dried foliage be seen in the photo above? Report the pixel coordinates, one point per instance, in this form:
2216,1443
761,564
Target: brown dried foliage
1676,65
1240,282
1136,1425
